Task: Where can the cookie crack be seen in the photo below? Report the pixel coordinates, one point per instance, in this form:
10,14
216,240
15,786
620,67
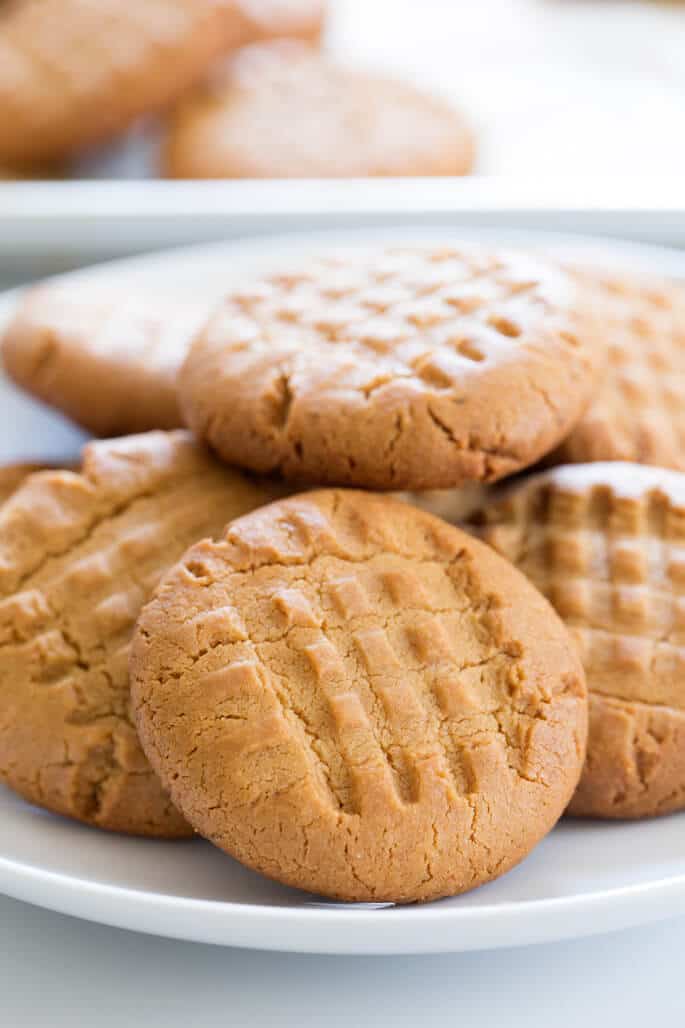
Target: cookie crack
98,519
470,445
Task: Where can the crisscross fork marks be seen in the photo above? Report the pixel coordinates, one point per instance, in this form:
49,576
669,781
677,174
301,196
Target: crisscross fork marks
613,566
387,735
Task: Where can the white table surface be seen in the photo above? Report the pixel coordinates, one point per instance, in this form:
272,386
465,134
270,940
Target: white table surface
56,971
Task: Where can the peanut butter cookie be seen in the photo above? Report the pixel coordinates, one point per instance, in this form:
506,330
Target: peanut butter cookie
606,544
355,698
104,357
404,368
284,111
79,556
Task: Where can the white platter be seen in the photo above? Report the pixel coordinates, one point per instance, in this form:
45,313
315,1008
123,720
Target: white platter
583,879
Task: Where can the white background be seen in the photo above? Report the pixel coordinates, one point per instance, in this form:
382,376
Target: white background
554,88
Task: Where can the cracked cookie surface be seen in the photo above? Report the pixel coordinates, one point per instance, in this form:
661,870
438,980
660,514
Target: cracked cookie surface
108,358
638,413
605,543
352,697
284,111
77,72
402,368
79,556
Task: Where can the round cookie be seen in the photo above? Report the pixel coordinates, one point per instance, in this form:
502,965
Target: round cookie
357,699
285,111
393,368
104,357
77,72
79,556
638,413
605,543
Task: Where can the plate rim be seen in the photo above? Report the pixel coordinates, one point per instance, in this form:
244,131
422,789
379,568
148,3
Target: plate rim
306,929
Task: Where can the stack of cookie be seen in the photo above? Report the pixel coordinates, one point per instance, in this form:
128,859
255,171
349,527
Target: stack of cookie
235,630
240,87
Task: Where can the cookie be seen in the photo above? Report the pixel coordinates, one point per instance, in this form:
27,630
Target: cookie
79,556
11,477
605,543
357,699
639,411
104,357
77,73
402,368
285,111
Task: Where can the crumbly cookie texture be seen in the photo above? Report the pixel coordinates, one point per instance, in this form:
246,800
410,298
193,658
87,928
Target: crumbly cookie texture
357,699
285,111
79,556
108,358
402,368
78,72
638,413
605,543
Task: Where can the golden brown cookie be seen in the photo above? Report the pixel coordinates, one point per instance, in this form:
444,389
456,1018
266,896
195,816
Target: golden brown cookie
606,544
393,368
104,357
79,556
639,411
284,111
355,698
77,72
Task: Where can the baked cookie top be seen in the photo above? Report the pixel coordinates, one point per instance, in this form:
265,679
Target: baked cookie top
77,72
284,111
108,358
638,413
80,553
393,368
355,698
605,542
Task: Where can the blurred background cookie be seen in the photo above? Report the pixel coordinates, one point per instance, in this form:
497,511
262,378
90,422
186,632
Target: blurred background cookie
284,111
393,368
355,698
78,72
606,544
80,553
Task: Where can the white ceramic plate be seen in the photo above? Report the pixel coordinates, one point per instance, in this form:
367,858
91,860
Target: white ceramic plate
584,878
